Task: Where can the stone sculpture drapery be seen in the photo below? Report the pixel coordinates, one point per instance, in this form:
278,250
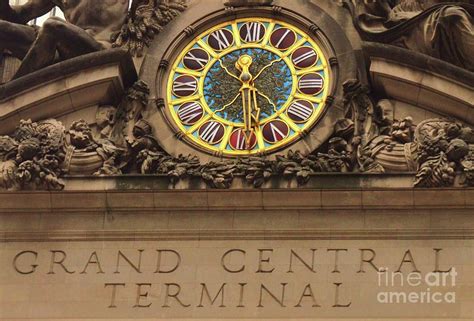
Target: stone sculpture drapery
444,30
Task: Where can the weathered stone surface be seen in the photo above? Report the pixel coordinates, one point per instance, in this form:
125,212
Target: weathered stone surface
344,193
97,78
421,81
419,26
91,236
76,289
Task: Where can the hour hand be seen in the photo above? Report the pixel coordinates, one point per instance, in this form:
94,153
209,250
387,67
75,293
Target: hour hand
247,101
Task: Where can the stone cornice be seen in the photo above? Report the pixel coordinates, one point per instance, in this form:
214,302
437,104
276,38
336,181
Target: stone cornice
265,214
68,86
248,235
155,202
419,61
70,67
422,81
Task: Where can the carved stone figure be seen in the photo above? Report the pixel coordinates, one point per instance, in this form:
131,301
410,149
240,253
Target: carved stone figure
126,115
105,119
87,156
440,29
143,137
90,26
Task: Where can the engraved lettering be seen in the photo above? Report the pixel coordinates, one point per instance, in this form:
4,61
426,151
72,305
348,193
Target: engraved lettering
224,264
241,295
173,294
220,293
365,260
280,301
114,292
437,269
32,266
136,267
93,259
262,260
55,261
407,258
171,269
141,295
336,300
310,267
336,259
307,293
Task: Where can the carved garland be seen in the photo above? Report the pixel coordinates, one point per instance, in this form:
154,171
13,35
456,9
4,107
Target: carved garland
145,20
38,155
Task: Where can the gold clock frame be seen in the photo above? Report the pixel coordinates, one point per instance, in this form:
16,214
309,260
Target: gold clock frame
342,55
238,43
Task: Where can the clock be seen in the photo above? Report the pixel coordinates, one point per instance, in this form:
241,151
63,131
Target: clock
247,86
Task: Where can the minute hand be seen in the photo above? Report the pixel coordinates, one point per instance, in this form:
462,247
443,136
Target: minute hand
266,67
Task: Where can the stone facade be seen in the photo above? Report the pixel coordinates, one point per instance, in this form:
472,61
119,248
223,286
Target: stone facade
109,211
101,250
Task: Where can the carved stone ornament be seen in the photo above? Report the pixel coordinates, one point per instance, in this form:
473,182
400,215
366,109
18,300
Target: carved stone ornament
32,157
145,19
439,150
360,133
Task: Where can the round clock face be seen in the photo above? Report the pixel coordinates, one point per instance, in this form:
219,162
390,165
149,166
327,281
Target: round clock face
248,86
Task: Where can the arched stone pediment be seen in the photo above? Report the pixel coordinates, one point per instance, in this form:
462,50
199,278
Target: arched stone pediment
66,88
421,81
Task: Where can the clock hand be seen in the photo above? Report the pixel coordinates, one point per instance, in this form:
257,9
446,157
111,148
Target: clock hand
256,116
227,105
267,66
248,97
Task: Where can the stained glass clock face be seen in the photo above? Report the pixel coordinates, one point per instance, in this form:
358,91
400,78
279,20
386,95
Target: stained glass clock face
248,86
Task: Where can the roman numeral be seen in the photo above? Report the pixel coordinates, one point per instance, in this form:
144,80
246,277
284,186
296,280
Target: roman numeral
179,86
240,140
300,111
221,39
307,55
311,83
210,132
191,57
283,37
189,112
276,132
252,31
